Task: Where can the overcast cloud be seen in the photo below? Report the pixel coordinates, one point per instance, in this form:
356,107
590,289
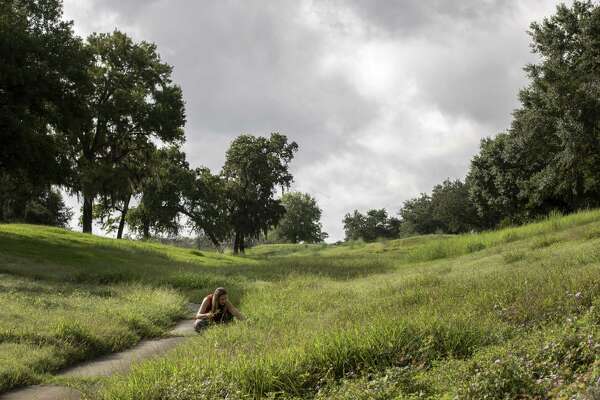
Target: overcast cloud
385,98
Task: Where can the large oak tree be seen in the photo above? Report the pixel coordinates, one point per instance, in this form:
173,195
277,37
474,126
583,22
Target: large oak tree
42,69
255,167
132,105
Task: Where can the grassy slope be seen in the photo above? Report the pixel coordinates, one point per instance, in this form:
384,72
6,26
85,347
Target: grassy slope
499,315
468,315
66,297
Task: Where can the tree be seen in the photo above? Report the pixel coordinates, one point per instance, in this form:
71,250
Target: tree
496,179
373,225
549,159
452,207
565,97
354,225
126,181
162,194
417,216
48,209
206,205
132,104
254,168
301,222
42,67
21,201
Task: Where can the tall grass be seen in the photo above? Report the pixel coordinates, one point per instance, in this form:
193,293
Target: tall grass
422,316
310,334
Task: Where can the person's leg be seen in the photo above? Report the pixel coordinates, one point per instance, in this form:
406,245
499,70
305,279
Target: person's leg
200,324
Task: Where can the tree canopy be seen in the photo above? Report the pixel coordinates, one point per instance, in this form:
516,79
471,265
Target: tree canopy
254,168
302,219
131,104
160,194
375,224
42,66
207,206
549,159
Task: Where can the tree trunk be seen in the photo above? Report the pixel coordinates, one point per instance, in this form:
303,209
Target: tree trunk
242,248
146,231
87,217
214,240
236,244
123,215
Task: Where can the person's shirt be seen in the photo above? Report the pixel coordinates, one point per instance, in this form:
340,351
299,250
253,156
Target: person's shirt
221,314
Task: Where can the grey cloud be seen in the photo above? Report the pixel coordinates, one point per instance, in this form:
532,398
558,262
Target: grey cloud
472,51
431,18
249,70
256,67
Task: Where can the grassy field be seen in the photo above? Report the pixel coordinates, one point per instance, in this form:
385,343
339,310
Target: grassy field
67,297
507,314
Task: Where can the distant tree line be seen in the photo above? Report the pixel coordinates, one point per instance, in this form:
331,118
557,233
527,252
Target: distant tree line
549,158
102,119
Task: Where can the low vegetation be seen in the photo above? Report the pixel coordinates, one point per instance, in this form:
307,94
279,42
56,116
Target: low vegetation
66,297
502,314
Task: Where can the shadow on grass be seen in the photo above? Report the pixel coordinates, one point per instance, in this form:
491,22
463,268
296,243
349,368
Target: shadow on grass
84,261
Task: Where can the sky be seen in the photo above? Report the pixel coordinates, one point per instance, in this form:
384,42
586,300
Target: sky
384,98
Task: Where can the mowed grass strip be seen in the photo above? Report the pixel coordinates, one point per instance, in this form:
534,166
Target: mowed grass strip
505,313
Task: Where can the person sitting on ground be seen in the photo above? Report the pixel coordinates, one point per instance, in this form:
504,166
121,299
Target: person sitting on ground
217,309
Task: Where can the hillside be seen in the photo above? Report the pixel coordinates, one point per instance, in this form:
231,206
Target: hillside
67,297
503,314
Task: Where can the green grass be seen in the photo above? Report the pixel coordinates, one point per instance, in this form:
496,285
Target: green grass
503,314
67,297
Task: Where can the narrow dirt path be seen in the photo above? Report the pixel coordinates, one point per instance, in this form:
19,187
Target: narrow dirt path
107,365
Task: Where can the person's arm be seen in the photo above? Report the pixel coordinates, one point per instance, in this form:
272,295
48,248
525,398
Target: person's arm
234,311
203,311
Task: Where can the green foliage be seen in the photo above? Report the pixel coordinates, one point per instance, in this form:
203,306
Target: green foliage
206,205
254,168
48,209
131,103
449,209
42,65
493,182
20,201
417,216
42,68
373,225
128,179
161,194
302,219
564,100
452,207
549,158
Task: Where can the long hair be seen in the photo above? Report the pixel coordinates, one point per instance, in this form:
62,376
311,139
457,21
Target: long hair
215,299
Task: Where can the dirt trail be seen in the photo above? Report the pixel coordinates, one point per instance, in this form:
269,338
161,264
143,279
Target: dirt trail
107,365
